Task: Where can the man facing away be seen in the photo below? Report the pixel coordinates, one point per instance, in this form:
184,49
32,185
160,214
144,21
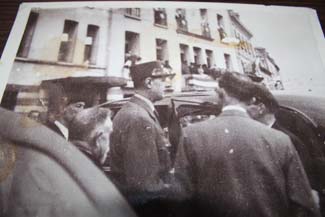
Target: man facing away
235,166
264,110
140,159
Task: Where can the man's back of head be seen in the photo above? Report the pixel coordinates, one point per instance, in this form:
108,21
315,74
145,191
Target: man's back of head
237,86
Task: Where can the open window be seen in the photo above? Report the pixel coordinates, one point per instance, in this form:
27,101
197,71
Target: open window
26,42
205,28
210,58
228,61
132,44
160,16
197,55
221,27
181,19
161,50
133,13
68,41
91,44
184,53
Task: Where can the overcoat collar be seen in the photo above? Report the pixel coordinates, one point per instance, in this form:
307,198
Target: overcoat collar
145,106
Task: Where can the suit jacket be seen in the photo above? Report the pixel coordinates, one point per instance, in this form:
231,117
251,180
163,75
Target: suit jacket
235,166
139,150
303,151
55,128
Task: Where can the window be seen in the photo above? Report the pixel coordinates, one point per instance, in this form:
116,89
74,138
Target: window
197,55
28,35
228,61
68,41
185,57
132,44
210,59
181,19
91,44
161,50
246,46
251,49
160,16
221,27
205,28
133,12
220,21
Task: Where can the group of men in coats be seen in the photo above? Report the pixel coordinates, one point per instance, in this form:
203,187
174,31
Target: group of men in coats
232,165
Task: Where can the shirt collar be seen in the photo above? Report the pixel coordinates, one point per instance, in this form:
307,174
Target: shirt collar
271,124
146,100
63,129
234,107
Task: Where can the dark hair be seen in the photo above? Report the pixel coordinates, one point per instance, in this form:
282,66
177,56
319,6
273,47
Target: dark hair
237,85
263,95
85,121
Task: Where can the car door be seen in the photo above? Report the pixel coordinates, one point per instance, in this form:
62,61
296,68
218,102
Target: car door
311,150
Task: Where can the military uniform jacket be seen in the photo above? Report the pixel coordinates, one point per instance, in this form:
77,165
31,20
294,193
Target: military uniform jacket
235,166
139,154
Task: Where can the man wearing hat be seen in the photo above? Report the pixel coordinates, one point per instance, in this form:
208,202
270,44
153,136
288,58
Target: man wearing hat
140,160
235,166
264,110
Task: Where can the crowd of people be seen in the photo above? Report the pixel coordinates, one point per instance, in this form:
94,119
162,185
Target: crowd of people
201,69
240,163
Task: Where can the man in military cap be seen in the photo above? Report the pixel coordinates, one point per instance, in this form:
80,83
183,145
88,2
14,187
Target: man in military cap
235,166
140,160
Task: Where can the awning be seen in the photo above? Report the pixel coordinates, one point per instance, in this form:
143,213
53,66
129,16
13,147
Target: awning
102,81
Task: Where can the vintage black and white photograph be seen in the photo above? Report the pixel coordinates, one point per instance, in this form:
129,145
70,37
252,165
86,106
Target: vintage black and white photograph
163,109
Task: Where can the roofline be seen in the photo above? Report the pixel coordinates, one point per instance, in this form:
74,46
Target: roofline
239,22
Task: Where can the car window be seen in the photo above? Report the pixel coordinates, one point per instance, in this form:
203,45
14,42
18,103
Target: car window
191,112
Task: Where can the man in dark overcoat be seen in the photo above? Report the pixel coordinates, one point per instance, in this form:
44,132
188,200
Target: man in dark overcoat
140,159
265,109
235,166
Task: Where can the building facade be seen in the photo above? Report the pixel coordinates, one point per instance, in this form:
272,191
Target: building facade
68,47
266,67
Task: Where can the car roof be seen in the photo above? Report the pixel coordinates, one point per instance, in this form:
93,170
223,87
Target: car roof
195,97
312,106
204,96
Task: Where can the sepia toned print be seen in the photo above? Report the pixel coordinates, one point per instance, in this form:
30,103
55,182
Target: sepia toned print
163,109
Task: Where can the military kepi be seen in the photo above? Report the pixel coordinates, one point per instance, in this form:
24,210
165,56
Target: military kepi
152,69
